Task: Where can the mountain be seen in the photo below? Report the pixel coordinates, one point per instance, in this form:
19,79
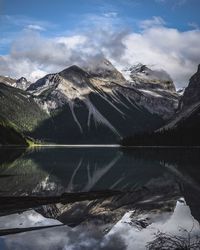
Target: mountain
9,136
97,104
191,94
7,80
153,91
94,103
142,76
21,83
180,91
183,127
19,113
188,112
156,87
102,68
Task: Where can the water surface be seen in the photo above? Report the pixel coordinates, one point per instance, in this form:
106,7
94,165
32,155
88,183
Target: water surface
53,171
151,179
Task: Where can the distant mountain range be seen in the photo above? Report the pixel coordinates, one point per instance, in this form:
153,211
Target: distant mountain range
95,104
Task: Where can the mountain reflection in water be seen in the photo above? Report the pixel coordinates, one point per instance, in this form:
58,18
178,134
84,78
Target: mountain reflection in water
52,171
150,179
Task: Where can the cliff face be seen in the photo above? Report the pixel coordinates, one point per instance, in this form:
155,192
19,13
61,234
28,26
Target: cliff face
187,115
192,92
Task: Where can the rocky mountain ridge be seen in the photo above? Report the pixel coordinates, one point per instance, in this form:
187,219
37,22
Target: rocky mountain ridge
100,96
21,83
98,104
157,87
157,95
142,76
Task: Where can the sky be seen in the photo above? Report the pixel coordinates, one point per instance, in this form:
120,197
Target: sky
45,36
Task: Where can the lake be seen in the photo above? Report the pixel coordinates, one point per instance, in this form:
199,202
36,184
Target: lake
66,191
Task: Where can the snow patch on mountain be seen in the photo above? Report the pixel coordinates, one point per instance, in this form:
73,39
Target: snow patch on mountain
98,117
141,74
154,90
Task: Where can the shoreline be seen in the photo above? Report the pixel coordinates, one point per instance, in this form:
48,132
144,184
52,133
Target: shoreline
91,146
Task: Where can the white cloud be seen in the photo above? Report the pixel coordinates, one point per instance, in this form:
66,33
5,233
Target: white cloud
37,74
175,51
111,14
35,27
33,55
72,41
155,21
193,25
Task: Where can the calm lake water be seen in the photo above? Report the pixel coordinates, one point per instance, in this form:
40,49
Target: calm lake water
48,171
52,171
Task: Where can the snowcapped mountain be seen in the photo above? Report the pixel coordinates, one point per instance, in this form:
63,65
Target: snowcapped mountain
183,128
140,74
156,87
97,102
152,90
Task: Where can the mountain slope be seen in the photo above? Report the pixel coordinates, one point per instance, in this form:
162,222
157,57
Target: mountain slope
192,92
156,88
21,83
19,110
189,107
8,136
94,106
183,128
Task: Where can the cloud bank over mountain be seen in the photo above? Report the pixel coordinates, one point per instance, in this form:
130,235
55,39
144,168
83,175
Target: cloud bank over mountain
32,54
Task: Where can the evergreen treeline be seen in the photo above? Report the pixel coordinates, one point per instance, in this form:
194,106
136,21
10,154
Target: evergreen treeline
9,136
171,137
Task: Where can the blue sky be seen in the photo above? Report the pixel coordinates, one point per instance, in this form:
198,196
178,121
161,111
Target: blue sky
51,21
64,15
68,14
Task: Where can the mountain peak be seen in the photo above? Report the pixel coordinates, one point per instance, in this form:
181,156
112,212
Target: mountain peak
144,77
73,70
139,68
22,79
76,75
103,68
22,83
